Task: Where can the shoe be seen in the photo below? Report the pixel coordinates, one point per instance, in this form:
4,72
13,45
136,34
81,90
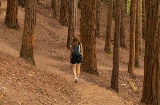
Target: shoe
76,81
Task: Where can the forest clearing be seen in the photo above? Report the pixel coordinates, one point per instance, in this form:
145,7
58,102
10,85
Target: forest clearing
46,76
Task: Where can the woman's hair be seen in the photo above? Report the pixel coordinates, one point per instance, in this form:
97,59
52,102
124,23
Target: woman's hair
76,41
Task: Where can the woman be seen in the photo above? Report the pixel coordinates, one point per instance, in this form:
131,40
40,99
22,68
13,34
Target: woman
76,56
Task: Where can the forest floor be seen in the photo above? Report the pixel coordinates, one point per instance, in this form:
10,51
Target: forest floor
51,81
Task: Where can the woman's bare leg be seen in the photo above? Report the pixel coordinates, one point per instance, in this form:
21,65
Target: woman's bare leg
78,70
74,70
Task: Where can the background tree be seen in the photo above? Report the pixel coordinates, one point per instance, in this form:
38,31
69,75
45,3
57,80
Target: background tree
122,29
88,35
132,37
115,70
143,18
55,7
108,44
138,36
64,16
151,59
11,19
72,29
21,3
26,51
0,6
98,18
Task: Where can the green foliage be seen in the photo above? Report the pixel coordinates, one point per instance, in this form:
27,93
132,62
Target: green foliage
128,6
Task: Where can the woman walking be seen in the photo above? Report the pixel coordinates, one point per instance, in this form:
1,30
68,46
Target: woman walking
76,56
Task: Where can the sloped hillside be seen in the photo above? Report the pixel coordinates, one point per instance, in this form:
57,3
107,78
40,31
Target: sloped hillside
23,84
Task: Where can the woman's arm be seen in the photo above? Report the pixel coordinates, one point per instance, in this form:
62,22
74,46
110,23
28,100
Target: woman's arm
70,50
81,50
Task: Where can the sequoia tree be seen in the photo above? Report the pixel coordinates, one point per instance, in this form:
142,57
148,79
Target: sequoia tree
138,36
115,70
26,51
108,45
72,21
132,37
98,18
0,6
151,59
122,29
11,19
55,7
88,35
64,16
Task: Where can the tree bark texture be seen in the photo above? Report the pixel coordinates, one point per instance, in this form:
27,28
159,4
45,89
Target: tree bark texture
88,35
132,38
151,59
55,7
98,18
26,51
108,45
143,18
64,16
138,37
122,28
72,29
11,19
0,7
115,70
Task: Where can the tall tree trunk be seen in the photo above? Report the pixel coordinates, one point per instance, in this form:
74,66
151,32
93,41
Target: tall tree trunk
11,19
64,16
138,37
0,7
114,11
159,54
122,34
26,51
143,19
55,7
21,3
132,37
151,63
79,4
88,35
108,45
98,18
72,29
115,70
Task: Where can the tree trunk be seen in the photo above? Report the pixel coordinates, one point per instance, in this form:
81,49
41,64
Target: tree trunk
138,36
98,18
132,37
159,53
114,11
88,35
115,70
151,63
79,4
122,34
108,45
72,29
55,8
21,3
11,19
28,34
143,18
64,16
0,7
